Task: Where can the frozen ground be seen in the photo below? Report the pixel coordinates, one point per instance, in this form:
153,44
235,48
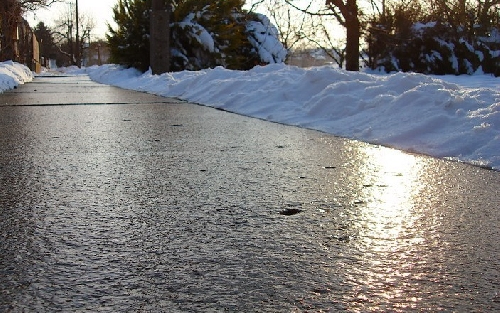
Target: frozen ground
455,117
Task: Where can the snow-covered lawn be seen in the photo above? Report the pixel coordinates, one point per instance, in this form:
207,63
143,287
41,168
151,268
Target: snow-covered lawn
456,117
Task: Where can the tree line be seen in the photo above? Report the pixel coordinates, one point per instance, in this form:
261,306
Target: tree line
431,36
438,37
10,18
57,43
203,34
427,36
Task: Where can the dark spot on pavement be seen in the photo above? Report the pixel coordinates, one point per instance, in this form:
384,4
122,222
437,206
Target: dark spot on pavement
290,211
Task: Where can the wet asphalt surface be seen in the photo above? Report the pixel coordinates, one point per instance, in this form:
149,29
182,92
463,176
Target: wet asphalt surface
118,201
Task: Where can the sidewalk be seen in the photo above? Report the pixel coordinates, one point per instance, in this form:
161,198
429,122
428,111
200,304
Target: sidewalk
70,90
118,201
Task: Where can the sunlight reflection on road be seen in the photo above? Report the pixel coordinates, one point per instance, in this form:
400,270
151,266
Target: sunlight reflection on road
390,181
387,227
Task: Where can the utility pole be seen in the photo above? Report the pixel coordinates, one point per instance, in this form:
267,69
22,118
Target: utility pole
77,55
70,34
159,55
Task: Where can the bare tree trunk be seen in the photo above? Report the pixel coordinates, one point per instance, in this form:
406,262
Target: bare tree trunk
352,47
353,34
160,37
78,48
349,12
10,14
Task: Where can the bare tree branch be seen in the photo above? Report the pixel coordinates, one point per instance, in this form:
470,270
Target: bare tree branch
307,10
31,5
255,4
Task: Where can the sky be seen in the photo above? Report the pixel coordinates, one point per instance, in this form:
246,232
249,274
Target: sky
100,10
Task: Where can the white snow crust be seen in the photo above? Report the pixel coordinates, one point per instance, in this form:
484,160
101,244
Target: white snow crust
455,117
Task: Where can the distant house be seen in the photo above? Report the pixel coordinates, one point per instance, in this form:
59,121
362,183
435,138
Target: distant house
309,57
97,53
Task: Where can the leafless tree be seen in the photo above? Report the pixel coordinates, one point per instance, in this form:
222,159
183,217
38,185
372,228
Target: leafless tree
10,16
290,24
29,5
347,14
65,35
303,27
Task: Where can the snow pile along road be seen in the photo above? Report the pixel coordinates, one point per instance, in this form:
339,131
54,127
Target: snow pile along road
408,111
13,74
456,117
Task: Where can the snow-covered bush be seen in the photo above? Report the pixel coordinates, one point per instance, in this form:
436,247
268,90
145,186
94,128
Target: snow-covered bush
264,37
209,34
204,34
436,48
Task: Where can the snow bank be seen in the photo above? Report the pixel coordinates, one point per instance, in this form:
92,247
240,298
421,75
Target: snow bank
13,74
412,112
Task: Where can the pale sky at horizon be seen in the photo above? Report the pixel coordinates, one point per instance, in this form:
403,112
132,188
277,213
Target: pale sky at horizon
100,10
